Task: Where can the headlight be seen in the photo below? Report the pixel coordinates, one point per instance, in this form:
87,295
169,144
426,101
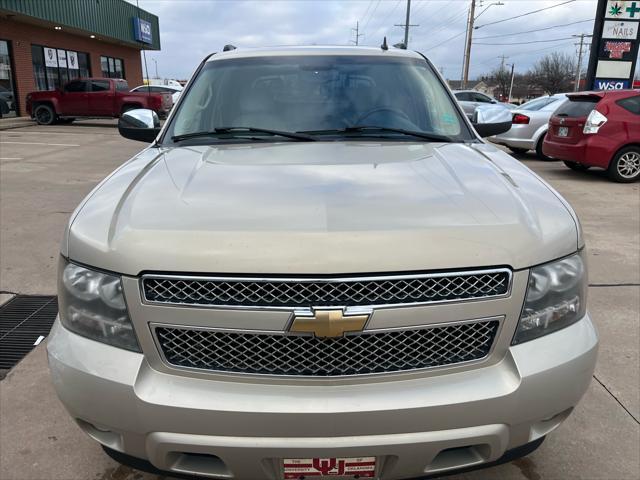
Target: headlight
556,297
92,304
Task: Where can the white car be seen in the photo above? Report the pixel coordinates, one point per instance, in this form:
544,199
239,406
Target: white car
173,90
529,125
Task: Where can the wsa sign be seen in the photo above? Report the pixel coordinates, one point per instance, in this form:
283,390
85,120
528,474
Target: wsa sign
611,84
142,30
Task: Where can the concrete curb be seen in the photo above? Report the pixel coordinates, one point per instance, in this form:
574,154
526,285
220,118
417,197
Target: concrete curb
16,122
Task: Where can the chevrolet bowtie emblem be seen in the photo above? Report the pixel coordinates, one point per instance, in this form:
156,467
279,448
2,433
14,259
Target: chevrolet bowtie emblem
328,323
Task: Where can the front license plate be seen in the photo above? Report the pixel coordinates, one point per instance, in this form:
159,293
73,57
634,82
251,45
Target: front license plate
361,467
563,131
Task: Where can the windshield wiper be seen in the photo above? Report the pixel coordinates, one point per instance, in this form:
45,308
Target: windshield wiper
434,137
301,137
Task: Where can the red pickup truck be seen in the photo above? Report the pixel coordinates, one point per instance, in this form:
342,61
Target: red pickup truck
92,97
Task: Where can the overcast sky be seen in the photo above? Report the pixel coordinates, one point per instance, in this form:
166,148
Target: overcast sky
191,29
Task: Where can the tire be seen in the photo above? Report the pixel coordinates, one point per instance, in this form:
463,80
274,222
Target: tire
518,151
625,166
578,167
539,151
45,115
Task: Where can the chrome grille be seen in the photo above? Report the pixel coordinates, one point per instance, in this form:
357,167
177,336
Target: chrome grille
354,354
301,292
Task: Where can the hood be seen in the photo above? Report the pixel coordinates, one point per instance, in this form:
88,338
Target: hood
325,207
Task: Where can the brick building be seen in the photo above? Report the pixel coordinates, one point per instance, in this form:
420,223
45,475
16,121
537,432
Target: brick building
45,43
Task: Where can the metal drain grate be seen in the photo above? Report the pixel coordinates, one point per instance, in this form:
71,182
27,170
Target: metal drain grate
23,319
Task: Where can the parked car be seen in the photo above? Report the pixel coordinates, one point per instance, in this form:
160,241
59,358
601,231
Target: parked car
598,129
318,268
92,97
469,100
173,90
530,124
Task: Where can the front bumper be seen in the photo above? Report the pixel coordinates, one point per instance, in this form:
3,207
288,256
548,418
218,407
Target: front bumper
246,429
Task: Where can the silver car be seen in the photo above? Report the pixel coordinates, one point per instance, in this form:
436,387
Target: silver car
470,100
319,268
530,125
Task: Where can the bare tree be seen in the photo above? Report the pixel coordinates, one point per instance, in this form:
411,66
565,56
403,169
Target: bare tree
501,77
554,73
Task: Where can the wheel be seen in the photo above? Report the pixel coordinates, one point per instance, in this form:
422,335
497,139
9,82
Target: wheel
518,151
45,115
539,151
578,167
625,166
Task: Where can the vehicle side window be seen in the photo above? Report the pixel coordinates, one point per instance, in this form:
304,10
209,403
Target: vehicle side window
99,85
631,104
464,96
74,87
478,97
122,86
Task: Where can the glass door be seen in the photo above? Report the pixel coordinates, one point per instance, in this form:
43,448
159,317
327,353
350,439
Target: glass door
7,92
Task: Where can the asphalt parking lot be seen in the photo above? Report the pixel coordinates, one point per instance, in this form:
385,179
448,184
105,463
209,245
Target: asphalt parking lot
46,171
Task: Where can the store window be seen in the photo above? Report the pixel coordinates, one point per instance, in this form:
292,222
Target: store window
112,67
54,67
7,93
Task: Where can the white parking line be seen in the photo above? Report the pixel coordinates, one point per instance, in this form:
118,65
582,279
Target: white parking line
48,144
58,132
10,158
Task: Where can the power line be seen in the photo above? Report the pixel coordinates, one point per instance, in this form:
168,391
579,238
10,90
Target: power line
525,14
536,30
448,40
525,43
367,10
386,17
373,12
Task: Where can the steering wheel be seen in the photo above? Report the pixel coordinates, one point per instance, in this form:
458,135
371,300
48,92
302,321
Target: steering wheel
395,111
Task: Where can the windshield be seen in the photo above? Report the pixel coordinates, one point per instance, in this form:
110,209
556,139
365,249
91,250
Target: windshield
319,94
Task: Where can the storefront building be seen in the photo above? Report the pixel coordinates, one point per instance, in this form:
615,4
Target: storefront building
46,43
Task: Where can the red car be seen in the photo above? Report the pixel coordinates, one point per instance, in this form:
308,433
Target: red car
92,97
598,129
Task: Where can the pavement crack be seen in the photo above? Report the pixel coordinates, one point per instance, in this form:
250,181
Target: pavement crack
616,399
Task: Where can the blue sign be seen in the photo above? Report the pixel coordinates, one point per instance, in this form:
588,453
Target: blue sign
600,84
142,30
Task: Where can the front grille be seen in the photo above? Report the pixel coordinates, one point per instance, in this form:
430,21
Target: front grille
356,354
390,290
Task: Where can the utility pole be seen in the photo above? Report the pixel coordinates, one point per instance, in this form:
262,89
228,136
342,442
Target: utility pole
503,57
358,34
467,50
156,62
464,55
513,68
406,25
579,68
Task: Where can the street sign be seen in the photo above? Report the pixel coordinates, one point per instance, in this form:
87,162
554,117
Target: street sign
614,49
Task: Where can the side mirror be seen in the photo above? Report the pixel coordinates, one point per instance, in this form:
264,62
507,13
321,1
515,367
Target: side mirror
489,120
139,124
